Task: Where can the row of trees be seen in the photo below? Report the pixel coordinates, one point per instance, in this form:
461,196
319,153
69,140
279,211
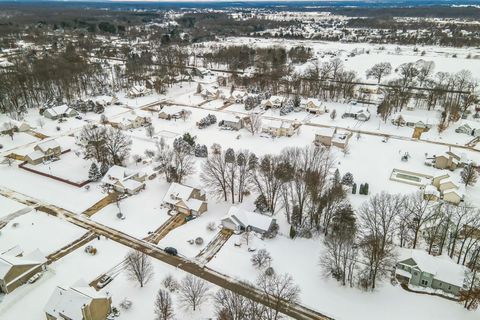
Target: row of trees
34,81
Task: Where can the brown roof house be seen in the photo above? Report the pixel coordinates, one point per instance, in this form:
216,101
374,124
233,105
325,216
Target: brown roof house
185,199
79,302
16,269
44,151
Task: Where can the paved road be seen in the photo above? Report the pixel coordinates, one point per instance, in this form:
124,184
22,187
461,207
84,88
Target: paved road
296,311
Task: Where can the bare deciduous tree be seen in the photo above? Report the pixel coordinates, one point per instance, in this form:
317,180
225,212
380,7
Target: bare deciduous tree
253,123
379,70
193,291
469,175
378,222
279,290
139,267
421,211
163,306
261,259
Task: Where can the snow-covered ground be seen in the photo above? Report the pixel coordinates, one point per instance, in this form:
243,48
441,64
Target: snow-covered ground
37,230
369,160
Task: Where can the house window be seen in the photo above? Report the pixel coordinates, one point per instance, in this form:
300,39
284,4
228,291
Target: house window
439,284
449,287
424,282
415,273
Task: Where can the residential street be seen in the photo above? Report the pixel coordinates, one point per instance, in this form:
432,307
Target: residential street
296,311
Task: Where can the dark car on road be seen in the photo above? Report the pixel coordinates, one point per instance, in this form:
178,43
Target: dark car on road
171,251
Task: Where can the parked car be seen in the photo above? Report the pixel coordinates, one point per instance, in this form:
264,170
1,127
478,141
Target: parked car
172,251
35,277
104,280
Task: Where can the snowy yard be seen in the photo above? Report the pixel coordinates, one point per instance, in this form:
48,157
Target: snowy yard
37,230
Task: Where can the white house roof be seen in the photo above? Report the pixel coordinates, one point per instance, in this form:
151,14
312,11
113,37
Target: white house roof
58,110
51,144
248,218
171,110
177,192
431,190
327,132
442,267
118,173
69,302
8,261
35,155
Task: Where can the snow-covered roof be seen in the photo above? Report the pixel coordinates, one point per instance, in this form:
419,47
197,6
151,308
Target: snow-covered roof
431,190
177,192
248,218
50,144
8,260
58,110
35,155
118,173
327,132
171,110
442,267
69,302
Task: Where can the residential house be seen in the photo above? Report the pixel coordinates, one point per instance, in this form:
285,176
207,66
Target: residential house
200,72
44,151
16,269
131,121
239,220
170,112
124,180
420,269
453,195
185,199
58,112
232,122
274,102
332,137
413,121
237,96
210,94
314,106
439,177
138,91
279,128
465,128
430,193
360,115
448,160
14,126
446,184
79,302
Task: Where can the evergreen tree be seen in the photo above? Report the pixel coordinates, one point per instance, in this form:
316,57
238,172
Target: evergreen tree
347,179
104,168
362,187
293,232
365,189
94,173
354,188
336,177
